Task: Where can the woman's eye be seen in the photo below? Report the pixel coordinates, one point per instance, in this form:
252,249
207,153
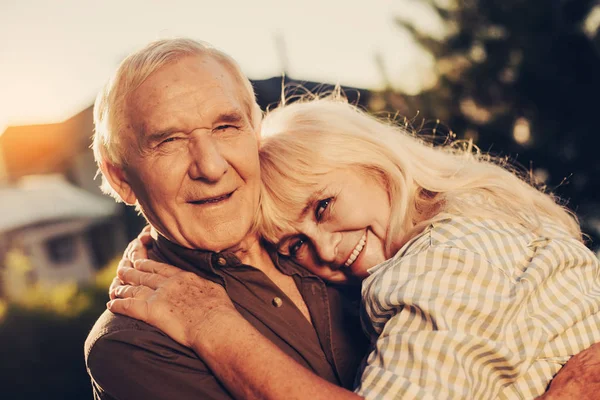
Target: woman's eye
294,247
321,208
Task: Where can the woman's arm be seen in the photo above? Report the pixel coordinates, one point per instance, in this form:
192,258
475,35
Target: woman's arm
198,314
253,367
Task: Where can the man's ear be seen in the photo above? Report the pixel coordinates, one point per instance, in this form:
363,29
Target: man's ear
118,181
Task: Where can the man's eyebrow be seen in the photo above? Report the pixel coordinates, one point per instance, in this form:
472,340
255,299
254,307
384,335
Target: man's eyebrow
232,117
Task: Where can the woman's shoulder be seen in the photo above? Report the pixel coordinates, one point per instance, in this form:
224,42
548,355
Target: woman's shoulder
449,228
438,240
443,231
482,235
449,235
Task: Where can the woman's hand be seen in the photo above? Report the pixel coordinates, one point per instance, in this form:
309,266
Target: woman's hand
137,249
179,303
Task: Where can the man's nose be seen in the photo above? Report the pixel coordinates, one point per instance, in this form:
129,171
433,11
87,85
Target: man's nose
208,163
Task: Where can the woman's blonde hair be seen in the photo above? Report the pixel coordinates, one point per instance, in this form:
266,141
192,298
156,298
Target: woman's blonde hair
306,139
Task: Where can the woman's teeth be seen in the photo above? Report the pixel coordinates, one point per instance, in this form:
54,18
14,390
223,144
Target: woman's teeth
359,247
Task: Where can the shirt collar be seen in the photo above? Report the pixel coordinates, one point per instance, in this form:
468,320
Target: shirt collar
209,262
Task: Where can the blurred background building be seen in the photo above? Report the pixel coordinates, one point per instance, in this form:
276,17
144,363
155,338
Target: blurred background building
55,226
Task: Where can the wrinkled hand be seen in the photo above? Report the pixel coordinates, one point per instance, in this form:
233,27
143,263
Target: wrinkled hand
579,379
179,303
137,249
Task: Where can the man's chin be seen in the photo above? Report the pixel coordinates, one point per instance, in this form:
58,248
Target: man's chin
205,233
215,241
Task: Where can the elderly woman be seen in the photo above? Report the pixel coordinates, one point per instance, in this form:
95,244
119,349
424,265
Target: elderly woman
474,283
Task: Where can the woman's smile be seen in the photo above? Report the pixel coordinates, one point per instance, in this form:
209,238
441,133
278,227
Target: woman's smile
357,250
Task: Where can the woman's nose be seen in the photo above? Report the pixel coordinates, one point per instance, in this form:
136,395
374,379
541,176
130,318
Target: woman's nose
326,245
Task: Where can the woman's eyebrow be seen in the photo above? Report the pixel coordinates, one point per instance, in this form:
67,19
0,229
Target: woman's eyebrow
311,202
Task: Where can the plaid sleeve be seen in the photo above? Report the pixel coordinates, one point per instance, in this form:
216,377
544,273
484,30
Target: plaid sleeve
439,317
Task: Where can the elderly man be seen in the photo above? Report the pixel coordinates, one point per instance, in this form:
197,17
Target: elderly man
177,136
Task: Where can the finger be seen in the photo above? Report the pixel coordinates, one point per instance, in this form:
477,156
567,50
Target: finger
138,250
124,263
145,235
130,291
127,250
145,238
155,267
133,247
132,276
116,282
134,308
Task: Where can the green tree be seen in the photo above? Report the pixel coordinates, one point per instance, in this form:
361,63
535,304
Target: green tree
521,77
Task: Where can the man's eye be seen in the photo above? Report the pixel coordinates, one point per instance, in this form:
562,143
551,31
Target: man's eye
224,127
169,140
321,208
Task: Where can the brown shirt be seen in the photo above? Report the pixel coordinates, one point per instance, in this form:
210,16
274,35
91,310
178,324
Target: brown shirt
128,359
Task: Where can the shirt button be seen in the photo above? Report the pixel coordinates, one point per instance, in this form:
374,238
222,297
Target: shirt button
222,261
277,302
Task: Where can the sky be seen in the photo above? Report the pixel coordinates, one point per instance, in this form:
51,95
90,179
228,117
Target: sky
55,55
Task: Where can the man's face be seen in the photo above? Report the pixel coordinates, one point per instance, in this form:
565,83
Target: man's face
193,165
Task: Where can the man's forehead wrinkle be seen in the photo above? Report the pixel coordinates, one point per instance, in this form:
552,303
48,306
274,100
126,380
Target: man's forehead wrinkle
141,106
184,101
154,126
223,107
165,116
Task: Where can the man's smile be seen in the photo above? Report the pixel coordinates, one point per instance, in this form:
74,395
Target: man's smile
212,200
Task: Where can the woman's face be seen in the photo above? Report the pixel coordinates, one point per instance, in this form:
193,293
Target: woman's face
342,229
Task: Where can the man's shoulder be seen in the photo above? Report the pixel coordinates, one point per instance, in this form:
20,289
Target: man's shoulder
129,359
110,324
119,337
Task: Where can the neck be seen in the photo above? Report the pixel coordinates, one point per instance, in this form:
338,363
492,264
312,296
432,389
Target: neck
251,252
